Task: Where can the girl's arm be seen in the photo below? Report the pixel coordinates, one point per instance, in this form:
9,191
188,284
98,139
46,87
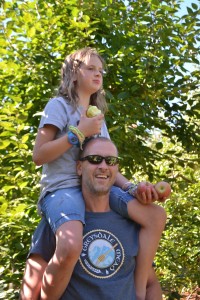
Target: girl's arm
47,148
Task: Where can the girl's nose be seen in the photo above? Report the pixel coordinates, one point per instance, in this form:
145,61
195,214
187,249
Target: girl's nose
97,73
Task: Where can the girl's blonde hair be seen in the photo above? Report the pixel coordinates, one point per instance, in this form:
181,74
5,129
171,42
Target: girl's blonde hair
67,88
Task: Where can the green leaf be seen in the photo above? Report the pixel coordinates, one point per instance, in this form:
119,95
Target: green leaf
159,145
7,188
195,6
4,144
190,11
4,207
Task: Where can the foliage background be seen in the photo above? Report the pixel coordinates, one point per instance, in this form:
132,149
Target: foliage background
146,46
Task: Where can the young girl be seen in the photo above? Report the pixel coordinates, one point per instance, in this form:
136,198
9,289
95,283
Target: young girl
63,128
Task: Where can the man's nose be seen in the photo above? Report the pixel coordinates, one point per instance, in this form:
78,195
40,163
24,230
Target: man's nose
103,165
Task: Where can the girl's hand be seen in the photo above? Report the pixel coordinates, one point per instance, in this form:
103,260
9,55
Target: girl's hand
90,126
146,193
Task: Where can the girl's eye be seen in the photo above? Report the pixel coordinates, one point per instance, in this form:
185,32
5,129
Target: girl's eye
93,69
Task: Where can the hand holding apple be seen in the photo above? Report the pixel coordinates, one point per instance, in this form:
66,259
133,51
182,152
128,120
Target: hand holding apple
146,193
92,111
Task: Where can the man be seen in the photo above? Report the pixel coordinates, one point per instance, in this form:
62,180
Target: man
105,269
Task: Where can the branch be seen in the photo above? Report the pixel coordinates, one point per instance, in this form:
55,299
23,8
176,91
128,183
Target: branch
185,178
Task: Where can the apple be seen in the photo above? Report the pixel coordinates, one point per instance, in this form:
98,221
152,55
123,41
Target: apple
142,187
92,111
163,189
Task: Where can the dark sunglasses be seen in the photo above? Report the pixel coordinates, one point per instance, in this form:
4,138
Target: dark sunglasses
97,159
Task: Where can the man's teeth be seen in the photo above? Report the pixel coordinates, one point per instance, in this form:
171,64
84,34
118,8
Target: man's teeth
102,176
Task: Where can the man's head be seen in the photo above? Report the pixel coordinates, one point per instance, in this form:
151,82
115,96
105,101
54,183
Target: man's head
98,166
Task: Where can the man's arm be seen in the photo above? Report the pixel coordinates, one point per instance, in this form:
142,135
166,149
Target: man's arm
154,291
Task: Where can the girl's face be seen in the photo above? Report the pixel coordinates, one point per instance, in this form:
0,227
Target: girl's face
90,76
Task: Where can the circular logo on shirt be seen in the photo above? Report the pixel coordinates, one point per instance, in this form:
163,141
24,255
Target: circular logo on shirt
102,255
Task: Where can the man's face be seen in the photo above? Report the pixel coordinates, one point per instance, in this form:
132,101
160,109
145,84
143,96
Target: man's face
98,178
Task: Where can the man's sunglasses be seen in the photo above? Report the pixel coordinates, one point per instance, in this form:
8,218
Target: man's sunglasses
97,159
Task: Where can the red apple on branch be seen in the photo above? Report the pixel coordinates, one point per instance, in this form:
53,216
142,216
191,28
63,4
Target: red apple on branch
163,189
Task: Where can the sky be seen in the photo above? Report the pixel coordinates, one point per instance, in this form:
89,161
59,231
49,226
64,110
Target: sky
188,3
183,11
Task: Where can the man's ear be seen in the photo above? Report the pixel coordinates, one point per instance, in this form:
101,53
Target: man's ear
79,168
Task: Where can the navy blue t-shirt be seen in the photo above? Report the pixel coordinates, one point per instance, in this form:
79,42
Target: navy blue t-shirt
105,269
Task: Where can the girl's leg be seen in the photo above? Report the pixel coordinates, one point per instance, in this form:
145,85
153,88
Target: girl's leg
59,270
43,238
152,219
64,209
32,280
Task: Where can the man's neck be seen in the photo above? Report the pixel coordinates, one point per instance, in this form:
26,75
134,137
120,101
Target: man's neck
96,203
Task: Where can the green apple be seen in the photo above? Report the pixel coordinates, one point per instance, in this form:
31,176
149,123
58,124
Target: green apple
92,111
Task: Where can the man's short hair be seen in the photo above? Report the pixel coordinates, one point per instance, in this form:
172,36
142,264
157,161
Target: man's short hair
89,141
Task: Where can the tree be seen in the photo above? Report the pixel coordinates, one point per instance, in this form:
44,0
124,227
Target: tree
146,46
178,257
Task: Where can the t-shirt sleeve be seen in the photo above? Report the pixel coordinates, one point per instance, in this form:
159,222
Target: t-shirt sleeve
55,113
104,131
